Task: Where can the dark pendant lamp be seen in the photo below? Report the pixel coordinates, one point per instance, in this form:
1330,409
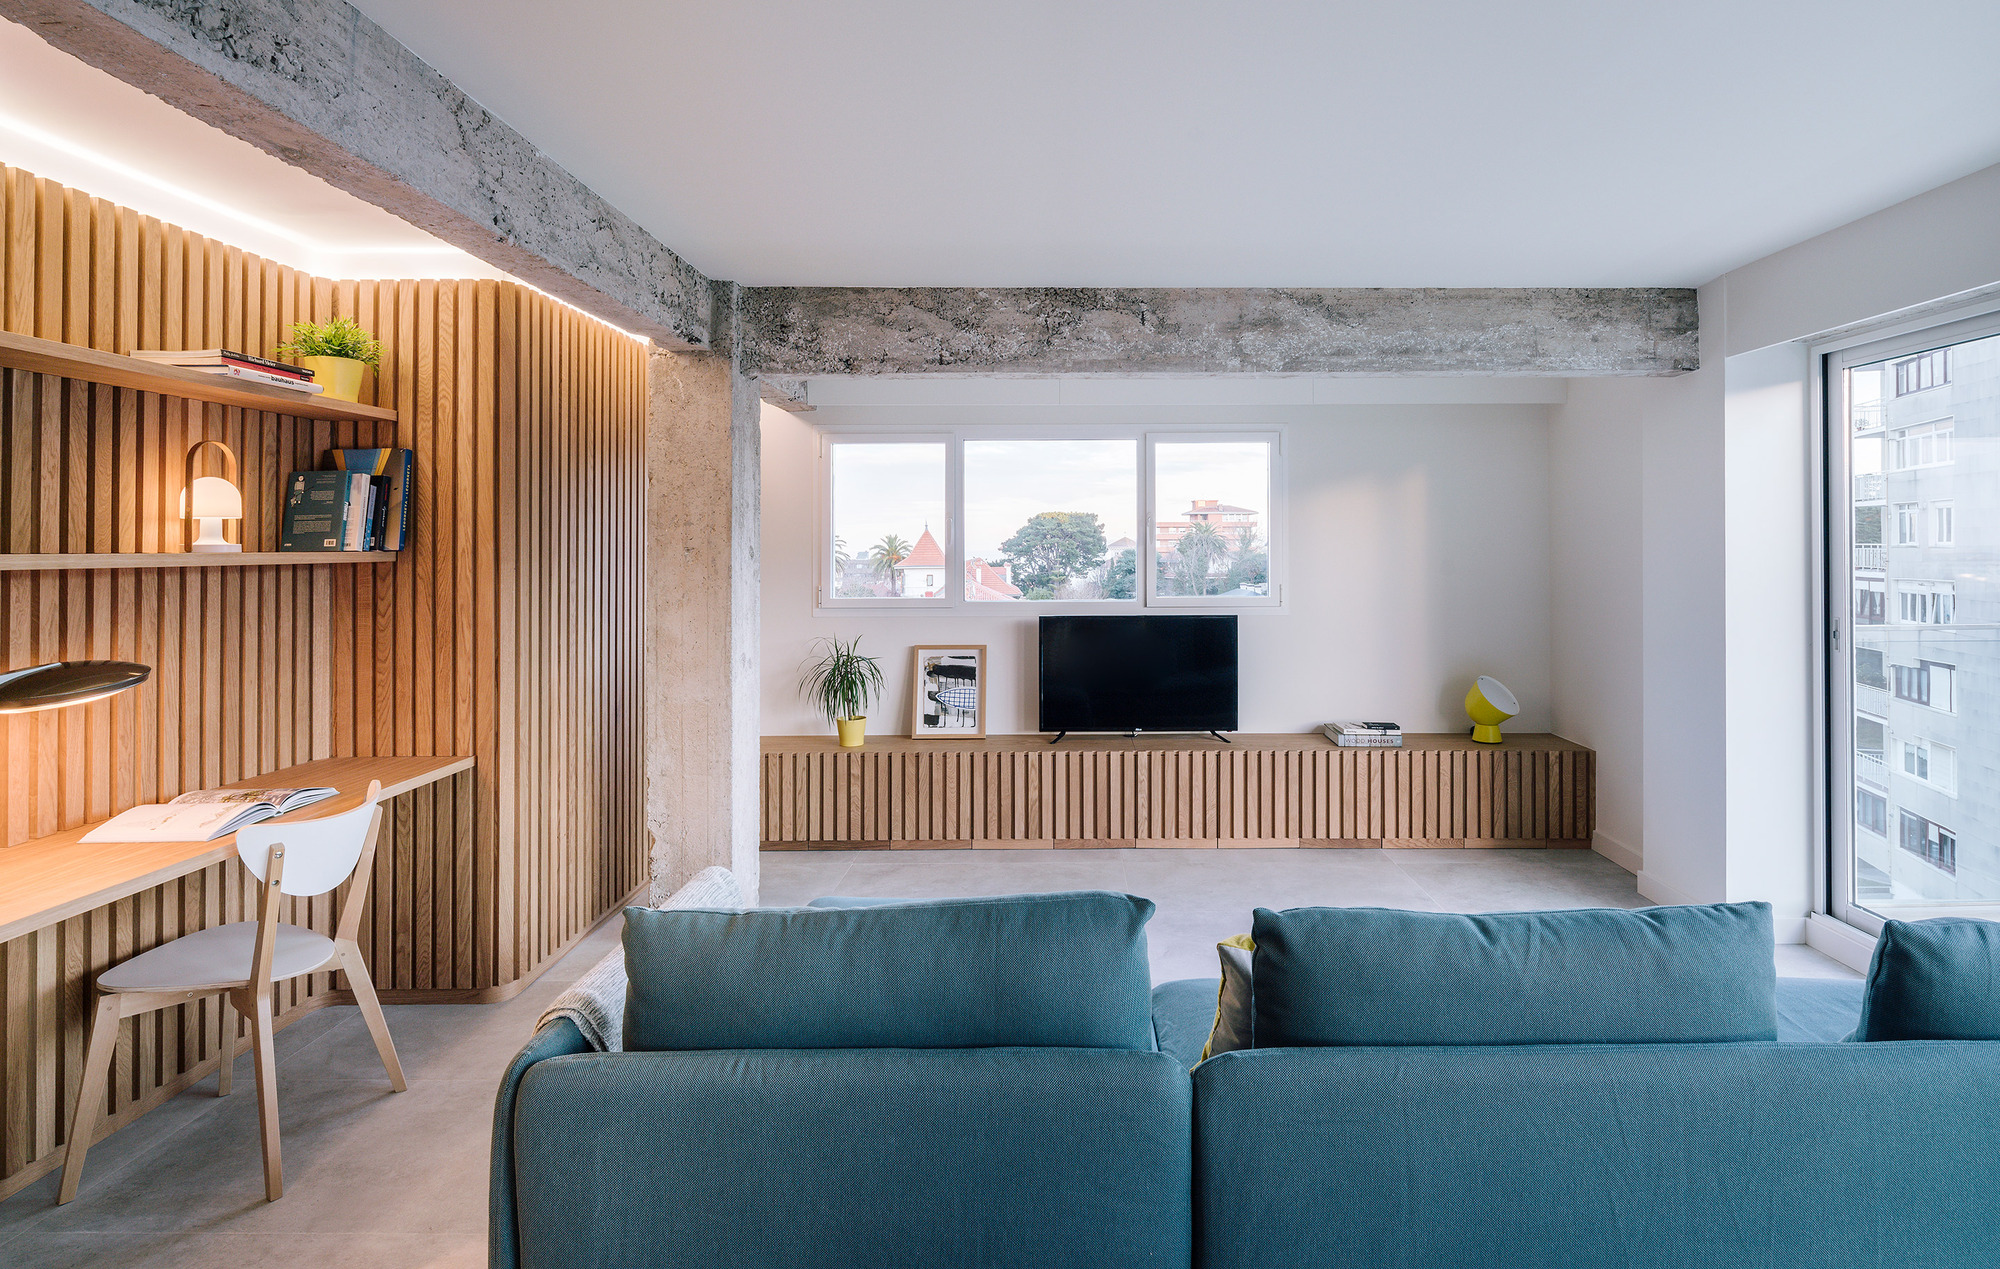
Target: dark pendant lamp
62,683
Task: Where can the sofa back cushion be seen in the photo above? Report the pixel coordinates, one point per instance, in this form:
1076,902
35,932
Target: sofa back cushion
1377,976
1933,980
1038,970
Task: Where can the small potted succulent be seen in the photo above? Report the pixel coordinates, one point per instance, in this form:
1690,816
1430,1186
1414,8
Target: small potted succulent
840,684
336,352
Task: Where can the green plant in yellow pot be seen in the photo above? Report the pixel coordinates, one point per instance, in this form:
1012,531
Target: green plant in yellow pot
336,352
840,684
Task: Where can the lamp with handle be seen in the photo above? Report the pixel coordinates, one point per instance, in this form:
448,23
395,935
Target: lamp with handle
209,500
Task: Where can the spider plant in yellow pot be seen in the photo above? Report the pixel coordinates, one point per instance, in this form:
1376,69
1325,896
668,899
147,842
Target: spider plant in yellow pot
840,684
336,352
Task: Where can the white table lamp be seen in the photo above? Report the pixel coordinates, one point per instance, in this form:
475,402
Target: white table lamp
209,500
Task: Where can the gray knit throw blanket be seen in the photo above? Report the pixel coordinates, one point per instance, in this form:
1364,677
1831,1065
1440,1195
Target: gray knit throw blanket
596,1001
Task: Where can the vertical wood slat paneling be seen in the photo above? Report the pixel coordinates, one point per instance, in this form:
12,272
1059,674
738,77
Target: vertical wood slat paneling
1096,791
528,422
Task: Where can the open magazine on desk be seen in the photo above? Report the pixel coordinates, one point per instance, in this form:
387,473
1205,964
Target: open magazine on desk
204,815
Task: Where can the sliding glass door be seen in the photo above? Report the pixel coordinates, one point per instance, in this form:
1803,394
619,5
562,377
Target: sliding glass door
1913,499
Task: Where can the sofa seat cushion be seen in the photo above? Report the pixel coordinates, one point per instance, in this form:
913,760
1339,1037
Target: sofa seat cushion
855,1159
1064,970
1744,1156
1933,980
1380,976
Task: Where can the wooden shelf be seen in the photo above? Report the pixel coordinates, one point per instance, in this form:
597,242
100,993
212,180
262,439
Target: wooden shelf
73,361
22,562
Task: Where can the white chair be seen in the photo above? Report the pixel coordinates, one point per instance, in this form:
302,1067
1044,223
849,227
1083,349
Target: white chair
243,961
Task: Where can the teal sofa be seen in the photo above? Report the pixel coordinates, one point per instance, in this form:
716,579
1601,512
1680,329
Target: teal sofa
1001,1103
1793,1154
1799,1154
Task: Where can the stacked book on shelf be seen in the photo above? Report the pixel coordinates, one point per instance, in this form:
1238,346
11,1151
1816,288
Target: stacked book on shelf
1365,735
236,365
360,502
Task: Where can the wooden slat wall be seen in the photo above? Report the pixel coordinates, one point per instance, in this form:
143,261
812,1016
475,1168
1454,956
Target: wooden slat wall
1260,791
509,630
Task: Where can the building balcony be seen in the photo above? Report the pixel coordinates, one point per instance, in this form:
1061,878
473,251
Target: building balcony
1871,700
1867,417
1871,771
1869,488
1871,557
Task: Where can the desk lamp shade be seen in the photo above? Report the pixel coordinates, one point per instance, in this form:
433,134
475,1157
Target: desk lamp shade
62,683
209,500
1490,704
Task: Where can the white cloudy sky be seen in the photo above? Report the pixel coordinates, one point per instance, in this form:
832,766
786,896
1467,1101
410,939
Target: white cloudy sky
900,487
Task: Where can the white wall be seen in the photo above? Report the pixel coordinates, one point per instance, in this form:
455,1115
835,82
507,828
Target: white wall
1724,466
1419,538
1595,629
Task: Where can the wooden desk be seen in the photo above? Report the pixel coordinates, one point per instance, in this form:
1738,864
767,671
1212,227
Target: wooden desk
58,876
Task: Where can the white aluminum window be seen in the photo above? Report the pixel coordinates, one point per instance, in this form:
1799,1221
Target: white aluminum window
1902,658
1925,603
1092,519
1932,763
1922,445
1906,524
887,536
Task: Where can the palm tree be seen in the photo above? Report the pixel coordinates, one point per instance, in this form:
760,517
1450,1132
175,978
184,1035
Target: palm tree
889,552
1195,554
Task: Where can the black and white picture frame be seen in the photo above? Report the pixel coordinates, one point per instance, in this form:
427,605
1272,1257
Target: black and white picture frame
948,692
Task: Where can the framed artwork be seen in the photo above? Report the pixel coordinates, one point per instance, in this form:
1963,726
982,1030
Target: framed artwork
948,692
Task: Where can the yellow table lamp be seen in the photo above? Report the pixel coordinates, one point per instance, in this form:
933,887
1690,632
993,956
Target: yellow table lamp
1490,704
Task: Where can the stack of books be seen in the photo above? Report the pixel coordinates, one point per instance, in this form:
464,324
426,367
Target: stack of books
362,504
1365,735
236,365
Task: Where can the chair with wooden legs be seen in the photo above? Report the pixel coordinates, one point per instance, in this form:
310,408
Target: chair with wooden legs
243,961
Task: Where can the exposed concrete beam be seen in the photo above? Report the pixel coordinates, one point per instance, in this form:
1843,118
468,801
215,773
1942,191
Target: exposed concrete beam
804,331
317,84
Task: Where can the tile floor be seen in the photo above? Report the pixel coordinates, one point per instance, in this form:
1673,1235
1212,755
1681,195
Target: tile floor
379,1180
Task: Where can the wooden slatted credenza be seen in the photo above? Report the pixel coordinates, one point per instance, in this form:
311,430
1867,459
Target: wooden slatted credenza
1099,791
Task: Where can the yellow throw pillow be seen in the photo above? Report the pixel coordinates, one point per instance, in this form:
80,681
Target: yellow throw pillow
1232,1000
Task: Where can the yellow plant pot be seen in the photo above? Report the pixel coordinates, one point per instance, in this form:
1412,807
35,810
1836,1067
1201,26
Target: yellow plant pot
340,376
853,731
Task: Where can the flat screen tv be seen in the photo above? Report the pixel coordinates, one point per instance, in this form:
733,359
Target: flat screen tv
1138,674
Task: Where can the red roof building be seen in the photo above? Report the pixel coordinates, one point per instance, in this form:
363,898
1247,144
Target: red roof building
920,574
983,581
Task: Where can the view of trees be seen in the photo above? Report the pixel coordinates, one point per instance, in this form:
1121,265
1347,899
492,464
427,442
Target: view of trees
1063,555
1052,551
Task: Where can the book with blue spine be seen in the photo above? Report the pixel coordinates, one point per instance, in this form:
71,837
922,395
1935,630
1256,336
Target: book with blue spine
393,473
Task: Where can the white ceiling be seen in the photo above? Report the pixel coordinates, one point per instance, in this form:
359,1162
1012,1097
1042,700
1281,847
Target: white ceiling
1160,142
75,125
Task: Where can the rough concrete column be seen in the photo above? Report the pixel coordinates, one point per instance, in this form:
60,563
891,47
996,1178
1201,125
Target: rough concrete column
701,601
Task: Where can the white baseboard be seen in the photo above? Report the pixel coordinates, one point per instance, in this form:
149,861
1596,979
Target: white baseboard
1660,892
1841,941
1617,852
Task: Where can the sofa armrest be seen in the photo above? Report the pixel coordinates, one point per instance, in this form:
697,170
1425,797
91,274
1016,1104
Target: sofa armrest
558,1037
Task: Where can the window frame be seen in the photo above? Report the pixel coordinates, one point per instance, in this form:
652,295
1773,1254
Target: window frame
953,601
823,587
1149,523
1835,585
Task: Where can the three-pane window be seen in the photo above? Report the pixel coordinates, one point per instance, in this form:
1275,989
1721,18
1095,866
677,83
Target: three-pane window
989,517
